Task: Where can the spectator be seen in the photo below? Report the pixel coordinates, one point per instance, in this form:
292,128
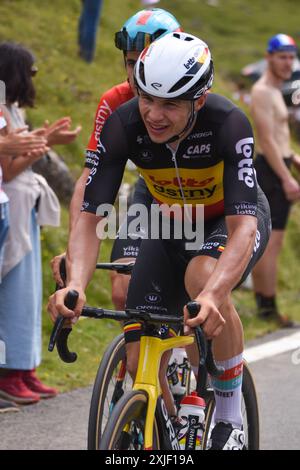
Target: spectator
88,25
12,144
273,166
32,203
5,406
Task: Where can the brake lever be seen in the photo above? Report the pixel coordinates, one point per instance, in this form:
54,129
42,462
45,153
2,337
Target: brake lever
59,335
204,345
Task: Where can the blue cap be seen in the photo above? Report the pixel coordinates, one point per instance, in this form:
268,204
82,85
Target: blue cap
281,42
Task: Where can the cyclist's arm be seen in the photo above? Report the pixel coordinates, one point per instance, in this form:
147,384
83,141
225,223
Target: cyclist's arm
104,110
240,197
102,187
77,198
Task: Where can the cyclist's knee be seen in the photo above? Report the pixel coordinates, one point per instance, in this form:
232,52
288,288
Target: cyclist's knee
197,274
119,290
164,366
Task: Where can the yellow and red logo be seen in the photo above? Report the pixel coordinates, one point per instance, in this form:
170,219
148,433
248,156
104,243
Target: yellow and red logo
204,56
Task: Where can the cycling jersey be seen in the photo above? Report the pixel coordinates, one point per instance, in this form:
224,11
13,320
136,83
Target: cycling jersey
212,165
110,101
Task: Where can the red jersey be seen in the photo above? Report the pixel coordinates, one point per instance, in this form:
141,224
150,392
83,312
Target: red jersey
109,102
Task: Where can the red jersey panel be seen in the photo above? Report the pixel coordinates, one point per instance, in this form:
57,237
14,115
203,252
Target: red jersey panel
109,102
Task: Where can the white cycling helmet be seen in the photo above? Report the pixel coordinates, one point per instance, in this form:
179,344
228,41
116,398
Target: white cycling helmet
178,65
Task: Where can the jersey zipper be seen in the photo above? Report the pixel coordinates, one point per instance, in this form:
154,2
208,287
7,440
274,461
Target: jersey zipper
174,160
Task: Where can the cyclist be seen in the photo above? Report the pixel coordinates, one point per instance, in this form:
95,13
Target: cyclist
200,148
273,166
137,32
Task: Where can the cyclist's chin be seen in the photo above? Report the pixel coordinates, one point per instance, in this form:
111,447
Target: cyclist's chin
159,136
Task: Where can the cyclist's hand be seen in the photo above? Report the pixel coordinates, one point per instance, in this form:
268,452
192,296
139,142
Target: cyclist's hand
291,189
56,304
209,318
55,266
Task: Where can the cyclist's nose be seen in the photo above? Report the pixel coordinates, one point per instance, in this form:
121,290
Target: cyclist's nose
155,113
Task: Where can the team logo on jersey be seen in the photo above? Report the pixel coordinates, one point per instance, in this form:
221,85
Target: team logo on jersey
257,241
153,298
200,135
146,156
245,208
195,151
246,173
100,147
190,182
156,287
143,139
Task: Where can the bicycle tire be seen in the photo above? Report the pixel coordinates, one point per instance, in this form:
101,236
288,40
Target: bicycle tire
251,412
114,355
130,409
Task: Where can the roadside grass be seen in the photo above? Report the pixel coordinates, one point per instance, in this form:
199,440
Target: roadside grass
236,31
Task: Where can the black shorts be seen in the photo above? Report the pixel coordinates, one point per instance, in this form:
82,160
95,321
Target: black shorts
128,246
157,282
272,187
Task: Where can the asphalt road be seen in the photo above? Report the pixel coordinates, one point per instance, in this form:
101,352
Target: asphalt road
61,423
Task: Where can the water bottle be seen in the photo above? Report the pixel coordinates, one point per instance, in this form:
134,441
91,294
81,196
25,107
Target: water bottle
191,422
178,370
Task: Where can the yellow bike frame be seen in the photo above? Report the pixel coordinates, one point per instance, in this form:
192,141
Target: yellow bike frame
151,351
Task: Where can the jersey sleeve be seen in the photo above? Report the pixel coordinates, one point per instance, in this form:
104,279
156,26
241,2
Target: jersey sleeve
104,110
109,163
239,180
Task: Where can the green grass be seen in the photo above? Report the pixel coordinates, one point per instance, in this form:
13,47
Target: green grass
236,31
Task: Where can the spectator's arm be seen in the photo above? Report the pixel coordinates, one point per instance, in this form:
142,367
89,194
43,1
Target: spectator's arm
60,133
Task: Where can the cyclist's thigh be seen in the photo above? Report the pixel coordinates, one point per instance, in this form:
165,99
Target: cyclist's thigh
156,283
119,284
216,236
128,242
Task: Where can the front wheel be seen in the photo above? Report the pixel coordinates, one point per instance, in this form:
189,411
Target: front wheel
126,425
111,382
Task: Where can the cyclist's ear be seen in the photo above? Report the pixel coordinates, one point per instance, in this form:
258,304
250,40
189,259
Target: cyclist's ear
200,102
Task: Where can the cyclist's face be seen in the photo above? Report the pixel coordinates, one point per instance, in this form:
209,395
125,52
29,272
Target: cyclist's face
165,118
281,64
130,61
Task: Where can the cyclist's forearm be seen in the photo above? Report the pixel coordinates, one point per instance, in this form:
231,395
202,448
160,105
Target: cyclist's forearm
233,261
77,198
83,249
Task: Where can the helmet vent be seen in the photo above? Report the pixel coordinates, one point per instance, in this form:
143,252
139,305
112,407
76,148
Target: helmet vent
142,73
180,84
158,33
